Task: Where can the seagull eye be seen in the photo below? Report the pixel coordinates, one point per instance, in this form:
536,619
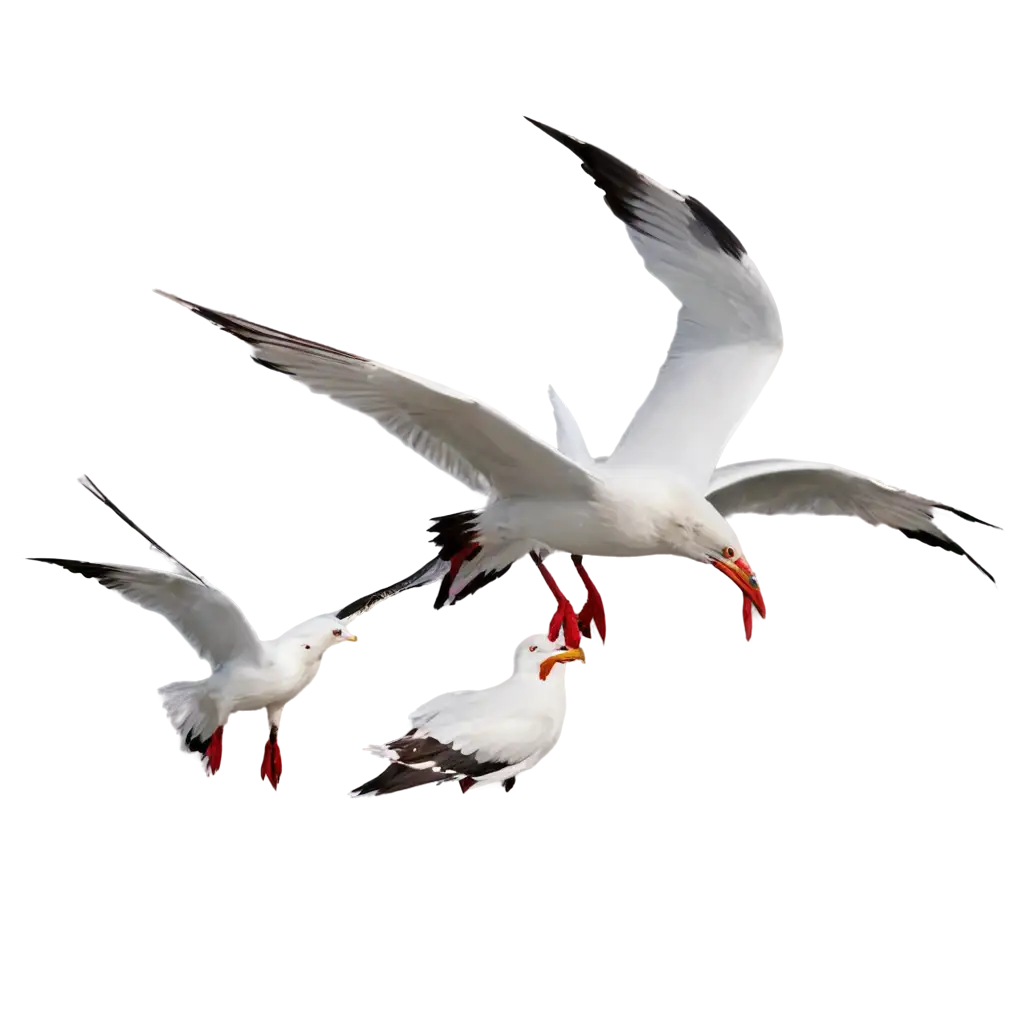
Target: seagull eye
729,552
307,646
337,632
533,647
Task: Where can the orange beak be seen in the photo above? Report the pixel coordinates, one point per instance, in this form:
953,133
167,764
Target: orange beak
739,571
573,654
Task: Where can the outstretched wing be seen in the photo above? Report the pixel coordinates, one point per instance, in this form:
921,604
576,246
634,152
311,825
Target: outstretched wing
781,487
206,618
469,441
728,335
433,571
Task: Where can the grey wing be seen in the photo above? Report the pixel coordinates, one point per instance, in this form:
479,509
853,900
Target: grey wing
785,487
728,334
210,621
475,444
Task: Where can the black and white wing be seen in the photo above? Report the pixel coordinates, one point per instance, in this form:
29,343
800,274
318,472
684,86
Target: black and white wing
459,435
213,628
728,335
466,735
433,571
784,487
94,492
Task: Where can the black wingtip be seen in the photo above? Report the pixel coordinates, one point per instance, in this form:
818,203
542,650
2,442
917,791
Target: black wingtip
68,564
41,560
965,515
622,184
545,129
225,327
397,777
94,492
947,544
425,574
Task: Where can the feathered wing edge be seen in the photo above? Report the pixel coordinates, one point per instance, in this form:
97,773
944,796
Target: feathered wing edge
792,487
460,435
90,486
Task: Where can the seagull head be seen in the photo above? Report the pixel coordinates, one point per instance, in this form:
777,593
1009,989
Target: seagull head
315,636
537,655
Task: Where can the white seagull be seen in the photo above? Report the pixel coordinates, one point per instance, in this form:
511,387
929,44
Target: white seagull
483,735
661,490
247,673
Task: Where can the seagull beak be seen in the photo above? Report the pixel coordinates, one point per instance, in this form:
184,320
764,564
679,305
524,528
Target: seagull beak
739,571
355,638
572,654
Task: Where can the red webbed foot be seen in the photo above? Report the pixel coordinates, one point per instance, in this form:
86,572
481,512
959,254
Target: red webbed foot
214,750
564,618
594,609
271,768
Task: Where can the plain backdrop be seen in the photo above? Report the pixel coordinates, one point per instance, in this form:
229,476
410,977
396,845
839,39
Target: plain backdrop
233,151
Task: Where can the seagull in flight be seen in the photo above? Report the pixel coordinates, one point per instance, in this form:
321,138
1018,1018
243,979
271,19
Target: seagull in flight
661,491
246,673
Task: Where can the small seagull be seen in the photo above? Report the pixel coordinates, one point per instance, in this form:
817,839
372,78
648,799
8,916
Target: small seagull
483,735
246,673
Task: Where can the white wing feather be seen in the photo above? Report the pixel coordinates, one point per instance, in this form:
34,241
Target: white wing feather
568,435
720,354
491,724
459,435
728,335
213,628
508,739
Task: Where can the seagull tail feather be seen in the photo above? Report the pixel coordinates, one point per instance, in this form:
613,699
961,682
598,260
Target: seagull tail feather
192,713
472,564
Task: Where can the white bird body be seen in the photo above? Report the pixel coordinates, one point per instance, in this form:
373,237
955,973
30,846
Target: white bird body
483,736
631,513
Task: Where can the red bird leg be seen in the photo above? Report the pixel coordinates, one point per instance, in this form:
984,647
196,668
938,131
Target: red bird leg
465,783
593,608
271,767
564,617
748,616
214,749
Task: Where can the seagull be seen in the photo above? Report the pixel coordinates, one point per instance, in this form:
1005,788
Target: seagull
481,736
722,350
246,673
661,490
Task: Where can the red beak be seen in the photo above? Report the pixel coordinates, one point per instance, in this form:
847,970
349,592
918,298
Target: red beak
739,572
